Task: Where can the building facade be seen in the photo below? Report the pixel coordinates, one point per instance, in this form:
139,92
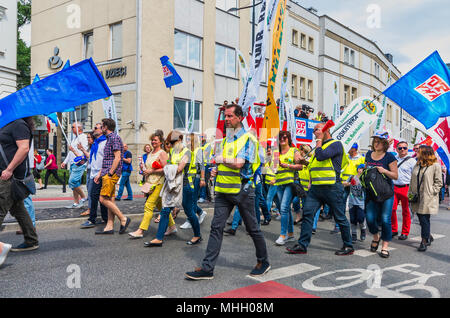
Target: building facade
8,47
126,39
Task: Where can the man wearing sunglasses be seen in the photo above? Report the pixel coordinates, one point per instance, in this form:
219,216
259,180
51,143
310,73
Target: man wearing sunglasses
401,186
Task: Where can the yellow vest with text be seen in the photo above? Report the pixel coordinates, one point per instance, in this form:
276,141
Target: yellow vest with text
228,180
322,172
285,175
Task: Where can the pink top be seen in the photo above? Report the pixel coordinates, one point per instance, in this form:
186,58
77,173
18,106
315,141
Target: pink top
53,166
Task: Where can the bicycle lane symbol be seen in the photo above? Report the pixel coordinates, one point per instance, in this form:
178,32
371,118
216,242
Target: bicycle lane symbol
372,276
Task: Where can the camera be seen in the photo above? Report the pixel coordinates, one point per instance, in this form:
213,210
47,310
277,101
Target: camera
306,111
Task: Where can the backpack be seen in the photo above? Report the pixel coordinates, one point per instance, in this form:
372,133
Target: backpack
376,185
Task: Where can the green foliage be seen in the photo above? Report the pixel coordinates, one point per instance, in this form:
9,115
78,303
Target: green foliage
23,51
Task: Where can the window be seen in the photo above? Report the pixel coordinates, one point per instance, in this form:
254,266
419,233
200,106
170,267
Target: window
116,41
310,90
182,113
88,45
346,95
294,85
354,94
302,88
187,49
84,116
225,5
352,57
311,44
377,70
303,41
225,61
346,55
294,37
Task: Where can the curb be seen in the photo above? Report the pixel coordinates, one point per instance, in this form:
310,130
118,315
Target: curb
50,224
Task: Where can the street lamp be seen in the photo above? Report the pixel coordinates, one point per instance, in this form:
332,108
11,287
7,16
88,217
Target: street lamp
253,20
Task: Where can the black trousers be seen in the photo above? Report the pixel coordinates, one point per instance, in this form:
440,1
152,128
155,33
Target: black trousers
224,204
425,226
55,174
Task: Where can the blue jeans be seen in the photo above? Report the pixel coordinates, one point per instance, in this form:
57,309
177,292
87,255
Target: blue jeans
376,211
332,196
125,182
285,196
188,207
272,195
197,189
260,204
326,210
28,202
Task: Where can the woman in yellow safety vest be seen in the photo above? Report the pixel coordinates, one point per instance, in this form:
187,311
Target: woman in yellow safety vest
181,156
285,175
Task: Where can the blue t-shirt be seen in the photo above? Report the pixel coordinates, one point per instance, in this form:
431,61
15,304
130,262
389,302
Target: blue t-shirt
384,162
127,166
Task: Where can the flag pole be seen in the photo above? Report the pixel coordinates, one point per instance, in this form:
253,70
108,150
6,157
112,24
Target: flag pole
67,140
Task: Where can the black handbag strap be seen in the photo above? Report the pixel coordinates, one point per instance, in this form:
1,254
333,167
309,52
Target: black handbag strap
406,159
419,182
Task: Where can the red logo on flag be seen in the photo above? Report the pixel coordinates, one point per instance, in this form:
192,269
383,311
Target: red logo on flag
167,72
301,128
433,88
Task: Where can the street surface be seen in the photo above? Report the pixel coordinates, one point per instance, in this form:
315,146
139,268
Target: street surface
72,262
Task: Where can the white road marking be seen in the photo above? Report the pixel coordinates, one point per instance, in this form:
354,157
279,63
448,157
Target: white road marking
285,272
157,296
419,238
367,252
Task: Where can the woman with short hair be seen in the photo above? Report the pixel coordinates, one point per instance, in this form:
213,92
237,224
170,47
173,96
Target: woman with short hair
426,182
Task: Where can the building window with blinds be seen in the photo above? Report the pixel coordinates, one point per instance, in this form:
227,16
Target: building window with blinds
116,41
310,90
294,85
181,115
302,88
225,5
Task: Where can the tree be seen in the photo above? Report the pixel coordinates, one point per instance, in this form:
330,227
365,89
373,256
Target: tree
23,51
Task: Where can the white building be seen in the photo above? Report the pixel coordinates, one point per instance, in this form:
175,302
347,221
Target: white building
8,47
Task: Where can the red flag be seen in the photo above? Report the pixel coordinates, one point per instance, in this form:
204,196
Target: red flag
48,126
427,141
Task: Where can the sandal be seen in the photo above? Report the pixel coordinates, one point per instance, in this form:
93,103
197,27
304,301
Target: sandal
384,255
86,213
374,248
157,219
175,213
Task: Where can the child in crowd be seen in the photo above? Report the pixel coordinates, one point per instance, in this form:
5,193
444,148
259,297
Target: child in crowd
356,204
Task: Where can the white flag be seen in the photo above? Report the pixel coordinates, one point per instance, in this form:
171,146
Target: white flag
191,121
109,107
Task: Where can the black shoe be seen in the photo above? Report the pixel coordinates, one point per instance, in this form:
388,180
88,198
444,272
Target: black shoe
128,199
260,269
118,199
354,238
297,249
150,244
422,247
363,235
194,243
394,234
123,228
24,247
430,240
344,251
266,222
198,274
313,231
104,232
230,232
403,237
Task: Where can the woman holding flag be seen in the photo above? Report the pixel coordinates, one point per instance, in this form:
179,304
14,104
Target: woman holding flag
285,176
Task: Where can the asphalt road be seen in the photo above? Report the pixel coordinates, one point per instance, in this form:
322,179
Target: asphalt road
72,262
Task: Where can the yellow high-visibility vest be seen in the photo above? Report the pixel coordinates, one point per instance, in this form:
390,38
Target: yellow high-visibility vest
285,175
175,159
351,169
303,175
322,172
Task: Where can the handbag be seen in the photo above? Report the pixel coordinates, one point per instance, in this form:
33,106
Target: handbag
20,188
298,190
415,197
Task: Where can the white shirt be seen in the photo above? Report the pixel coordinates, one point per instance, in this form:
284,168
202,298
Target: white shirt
405,170
82,139
97,161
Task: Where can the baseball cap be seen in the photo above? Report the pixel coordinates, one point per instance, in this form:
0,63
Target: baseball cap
361,166
355,146
381,135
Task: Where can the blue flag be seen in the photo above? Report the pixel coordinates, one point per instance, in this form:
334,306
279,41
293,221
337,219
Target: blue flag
425,91
171,77
76,85
54,116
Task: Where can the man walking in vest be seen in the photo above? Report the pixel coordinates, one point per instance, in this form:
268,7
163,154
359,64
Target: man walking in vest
237,162
326,188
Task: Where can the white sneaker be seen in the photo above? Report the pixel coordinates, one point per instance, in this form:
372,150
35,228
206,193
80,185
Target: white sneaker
202,217
82,201
280,241
290,238
73,206
278,217
5,250
170,232
186,225
201,200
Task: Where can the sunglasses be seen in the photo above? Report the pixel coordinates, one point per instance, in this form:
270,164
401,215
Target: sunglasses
402,148
283,137
317,129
